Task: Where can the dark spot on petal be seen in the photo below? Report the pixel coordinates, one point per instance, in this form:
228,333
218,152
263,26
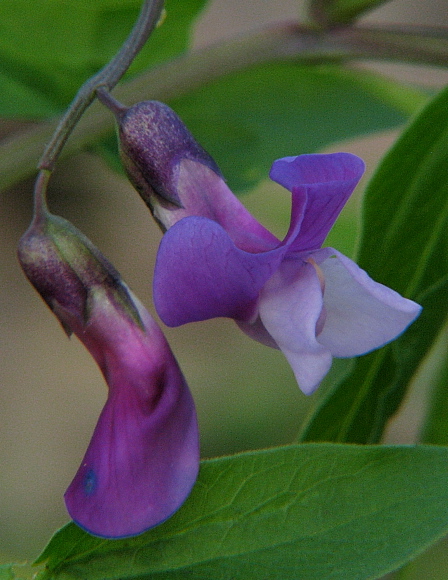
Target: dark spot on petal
90,482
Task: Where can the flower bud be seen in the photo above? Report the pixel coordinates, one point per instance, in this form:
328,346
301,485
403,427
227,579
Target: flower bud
175,176
143,458
153,143
65,267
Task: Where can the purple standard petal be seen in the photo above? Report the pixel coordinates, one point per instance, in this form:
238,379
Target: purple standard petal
291,309
143,458
329,180
362,315
201,274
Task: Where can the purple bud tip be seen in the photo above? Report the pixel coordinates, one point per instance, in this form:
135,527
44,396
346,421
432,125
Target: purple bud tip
153,140
51,275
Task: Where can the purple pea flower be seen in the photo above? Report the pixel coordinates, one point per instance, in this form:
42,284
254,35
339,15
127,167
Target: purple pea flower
143,458
216,260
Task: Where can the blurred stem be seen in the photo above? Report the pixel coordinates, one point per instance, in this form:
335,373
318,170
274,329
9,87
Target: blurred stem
107,77
329,13
274,44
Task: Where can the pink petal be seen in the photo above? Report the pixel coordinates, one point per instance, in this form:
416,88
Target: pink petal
141,463
205,194
143,458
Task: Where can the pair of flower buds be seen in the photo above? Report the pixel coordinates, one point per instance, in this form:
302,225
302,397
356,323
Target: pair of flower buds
214,260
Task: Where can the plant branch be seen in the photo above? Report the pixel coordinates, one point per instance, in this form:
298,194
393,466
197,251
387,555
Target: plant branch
407,44
287,42
106,77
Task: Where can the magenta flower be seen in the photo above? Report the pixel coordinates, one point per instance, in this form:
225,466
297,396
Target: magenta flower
312,303
142,460
216,260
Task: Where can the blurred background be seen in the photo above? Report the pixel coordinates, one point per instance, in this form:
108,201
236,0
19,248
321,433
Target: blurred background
52,392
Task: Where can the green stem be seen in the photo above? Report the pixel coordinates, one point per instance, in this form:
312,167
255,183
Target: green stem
18,154
336,13
110,102
106,77
40,198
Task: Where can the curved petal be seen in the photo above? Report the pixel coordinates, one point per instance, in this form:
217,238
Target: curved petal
255,328
206,194
362,314
329,180
201,274
290,308
143,458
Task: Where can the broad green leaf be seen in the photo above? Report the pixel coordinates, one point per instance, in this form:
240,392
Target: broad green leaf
16,94
48,49
405,246
244,124
330,12
304,511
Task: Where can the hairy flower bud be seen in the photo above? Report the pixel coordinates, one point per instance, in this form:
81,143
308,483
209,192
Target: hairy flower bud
153,144
143,458
175,176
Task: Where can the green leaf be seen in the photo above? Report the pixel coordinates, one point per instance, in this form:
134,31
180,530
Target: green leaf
330,12
17,571
435,429
304,511
48,49
244,125
18,92
404,246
